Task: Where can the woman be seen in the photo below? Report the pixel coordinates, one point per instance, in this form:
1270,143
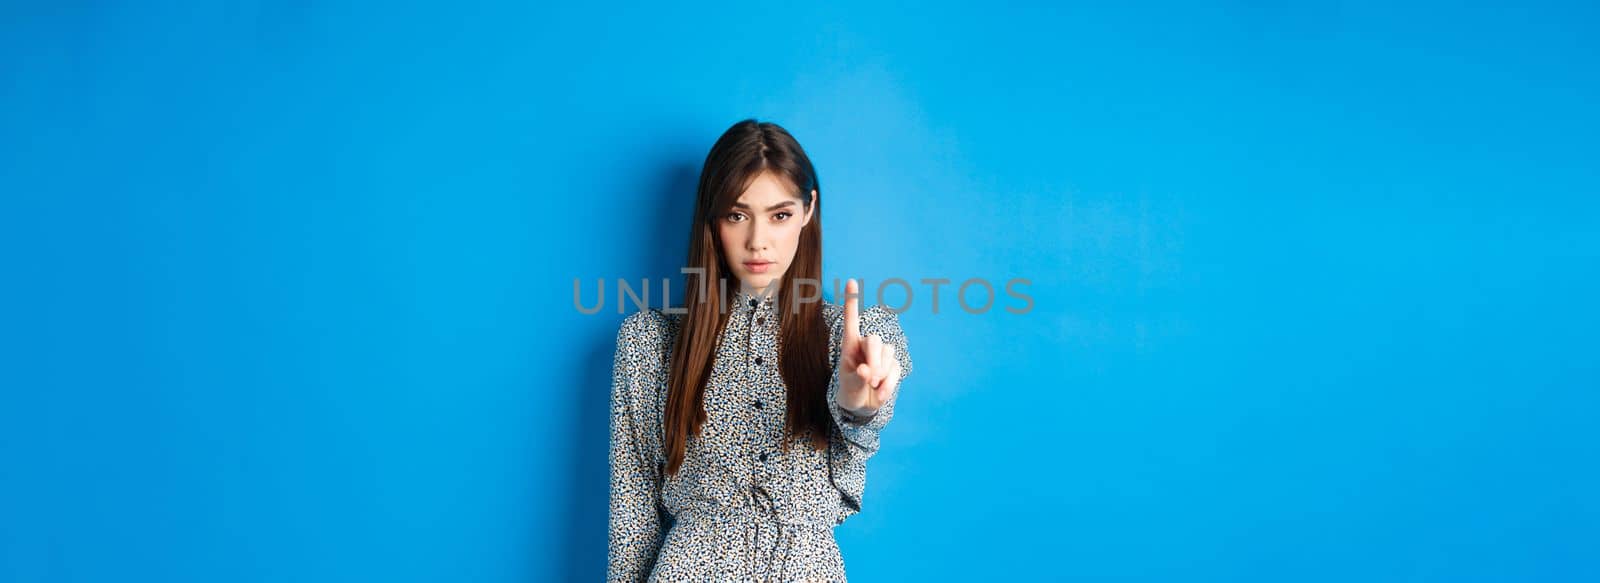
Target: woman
741,427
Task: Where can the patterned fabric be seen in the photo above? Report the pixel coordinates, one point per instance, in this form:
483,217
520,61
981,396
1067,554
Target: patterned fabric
740,508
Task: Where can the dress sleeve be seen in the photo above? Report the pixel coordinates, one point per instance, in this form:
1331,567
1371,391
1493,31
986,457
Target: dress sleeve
858,437
635,529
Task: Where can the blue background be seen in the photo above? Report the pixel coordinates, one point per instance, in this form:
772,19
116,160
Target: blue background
288,285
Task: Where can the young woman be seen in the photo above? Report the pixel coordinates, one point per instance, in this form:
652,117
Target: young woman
741,427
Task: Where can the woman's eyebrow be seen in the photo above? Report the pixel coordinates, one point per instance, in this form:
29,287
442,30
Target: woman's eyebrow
743,206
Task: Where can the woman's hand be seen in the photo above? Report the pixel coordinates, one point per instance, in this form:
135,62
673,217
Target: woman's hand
868,369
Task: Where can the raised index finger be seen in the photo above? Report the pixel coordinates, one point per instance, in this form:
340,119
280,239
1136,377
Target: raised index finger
852,311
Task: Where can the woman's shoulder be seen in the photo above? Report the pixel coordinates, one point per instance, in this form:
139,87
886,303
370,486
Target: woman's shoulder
649,328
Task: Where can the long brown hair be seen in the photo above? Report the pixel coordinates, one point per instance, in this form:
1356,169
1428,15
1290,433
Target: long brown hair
743,153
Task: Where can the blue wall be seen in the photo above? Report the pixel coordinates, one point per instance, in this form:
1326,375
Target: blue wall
288,285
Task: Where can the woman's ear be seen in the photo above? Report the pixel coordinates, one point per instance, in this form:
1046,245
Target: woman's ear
810,208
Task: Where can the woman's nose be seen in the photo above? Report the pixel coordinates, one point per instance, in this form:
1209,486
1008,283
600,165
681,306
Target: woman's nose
758,239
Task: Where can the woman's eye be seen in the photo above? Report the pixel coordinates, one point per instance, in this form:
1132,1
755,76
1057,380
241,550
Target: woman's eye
735,217
781,216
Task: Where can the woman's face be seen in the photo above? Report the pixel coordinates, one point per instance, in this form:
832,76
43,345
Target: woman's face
762,230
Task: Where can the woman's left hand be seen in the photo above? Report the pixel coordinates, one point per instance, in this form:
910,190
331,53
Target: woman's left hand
868,369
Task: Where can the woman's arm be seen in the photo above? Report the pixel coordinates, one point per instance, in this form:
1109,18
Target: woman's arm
635,529
857,437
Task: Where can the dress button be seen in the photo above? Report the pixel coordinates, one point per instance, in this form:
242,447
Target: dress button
762,321
758,360
752,303
759,404
763,457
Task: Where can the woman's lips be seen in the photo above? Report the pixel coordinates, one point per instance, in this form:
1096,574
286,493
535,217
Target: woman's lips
758,266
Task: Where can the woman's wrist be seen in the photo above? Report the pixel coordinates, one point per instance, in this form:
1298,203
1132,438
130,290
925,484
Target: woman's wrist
857,415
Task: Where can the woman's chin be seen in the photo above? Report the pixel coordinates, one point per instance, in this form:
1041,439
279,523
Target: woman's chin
759,282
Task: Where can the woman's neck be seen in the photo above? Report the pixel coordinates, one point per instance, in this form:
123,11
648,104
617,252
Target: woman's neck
770,291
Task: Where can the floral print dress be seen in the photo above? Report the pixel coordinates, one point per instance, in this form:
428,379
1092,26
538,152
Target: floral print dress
741,508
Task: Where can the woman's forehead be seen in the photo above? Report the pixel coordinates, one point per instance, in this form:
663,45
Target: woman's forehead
766,190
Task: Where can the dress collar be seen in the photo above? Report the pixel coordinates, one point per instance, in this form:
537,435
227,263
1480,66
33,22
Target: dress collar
744,301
